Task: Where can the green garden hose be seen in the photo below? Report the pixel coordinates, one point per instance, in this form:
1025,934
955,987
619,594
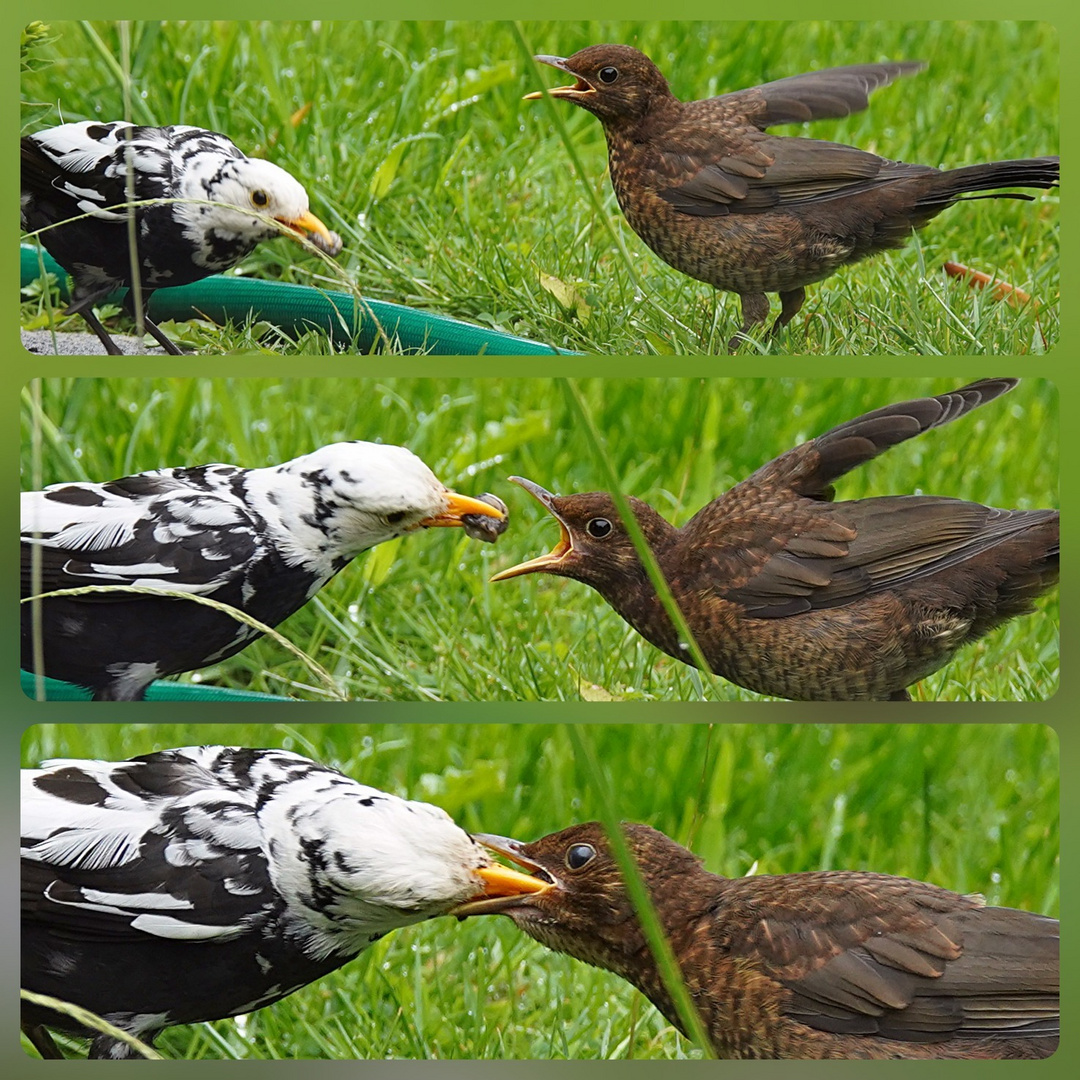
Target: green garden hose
351,323
55,690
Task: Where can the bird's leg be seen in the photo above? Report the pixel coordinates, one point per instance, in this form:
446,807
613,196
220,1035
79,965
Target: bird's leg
94,323
42,1041
755,309
790,303
158,335
899,695
150,326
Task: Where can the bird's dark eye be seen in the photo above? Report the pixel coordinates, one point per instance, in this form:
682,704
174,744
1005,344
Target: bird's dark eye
608,74
259,198
598,528
395,517
579,855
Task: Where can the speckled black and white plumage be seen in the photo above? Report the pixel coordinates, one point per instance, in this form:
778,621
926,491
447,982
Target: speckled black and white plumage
216,205
205,882
261,540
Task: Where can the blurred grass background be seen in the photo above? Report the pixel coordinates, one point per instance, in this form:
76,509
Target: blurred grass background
417,619
453,195
973,807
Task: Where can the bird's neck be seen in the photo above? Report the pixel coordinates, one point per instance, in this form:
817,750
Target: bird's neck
637,601
629,137
676,903
632,593
693,925
300,520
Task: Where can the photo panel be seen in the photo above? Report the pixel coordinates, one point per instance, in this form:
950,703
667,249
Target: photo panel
507,188
815,881
536,539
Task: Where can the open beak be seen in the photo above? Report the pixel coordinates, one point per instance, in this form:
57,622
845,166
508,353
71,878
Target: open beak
580,85
309,226
557,553
459,507
503,887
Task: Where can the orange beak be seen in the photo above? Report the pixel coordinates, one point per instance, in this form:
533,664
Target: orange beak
459,506
309,226
580,85
503,887
561,549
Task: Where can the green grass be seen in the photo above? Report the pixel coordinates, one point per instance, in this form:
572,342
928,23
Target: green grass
455,196
971,807
419,620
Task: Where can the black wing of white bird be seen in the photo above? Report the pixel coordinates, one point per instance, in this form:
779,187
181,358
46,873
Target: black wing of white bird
206,882
260,540
212,205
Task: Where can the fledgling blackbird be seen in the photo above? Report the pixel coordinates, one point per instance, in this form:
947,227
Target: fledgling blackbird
816,965
208,881
212,205
264,541
791,594
717,197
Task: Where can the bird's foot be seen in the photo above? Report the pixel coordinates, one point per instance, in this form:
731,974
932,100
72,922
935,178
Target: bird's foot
755,310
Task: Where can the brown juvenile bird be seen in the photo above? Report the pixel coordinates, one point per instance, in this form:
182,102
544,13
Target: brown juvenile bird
715,196
790,594
816,965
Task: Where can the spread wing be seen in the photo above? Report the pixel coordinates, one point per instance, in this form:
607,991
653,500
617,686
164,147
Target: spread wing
873,955
828,94
746,170
810,468
776,544
171,529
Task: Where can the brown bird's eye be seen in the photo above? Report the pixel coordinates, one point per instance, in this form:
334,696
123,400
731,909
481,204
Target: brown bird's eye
579,855
260,198
395,517
608,75
598,528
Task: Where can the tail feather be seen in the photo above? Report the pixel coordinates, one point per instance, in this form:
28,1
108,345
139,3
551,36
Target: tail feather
955,184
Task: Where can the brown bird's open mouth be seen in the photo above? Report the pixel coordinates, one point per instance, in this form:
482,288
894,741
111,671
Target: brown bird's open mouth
459,507
579,88
504,887
557,553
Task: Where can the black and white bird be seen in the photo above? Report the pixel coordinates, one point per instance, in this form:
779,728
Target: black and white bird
261,540
206,882
212,205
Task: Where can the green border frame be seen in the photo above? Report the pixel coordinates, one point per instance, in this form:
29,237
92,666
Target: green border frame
1062,365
